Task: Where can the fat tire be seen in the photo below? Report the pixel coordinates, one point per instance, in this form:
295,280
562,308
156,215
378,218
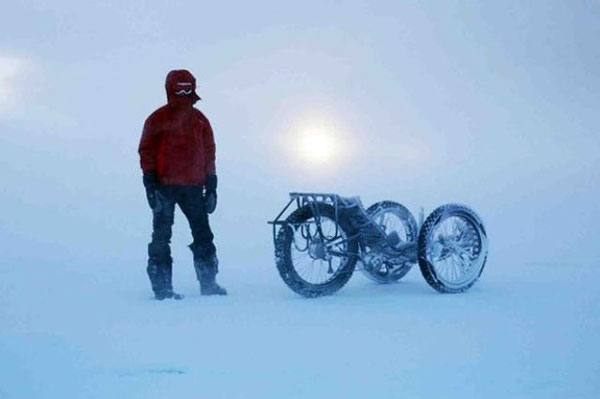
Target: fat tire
397,276
432,220
283,259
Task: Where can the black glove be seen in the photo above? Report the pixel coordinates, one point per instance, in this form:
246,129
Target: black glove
210,194
150,184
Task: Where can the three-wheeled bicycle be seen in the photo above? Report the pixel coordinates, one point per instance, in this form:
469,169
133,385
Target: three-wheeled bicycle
319,244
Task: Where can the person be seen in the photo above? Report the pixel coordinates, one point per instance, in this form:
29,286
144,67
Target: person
177,157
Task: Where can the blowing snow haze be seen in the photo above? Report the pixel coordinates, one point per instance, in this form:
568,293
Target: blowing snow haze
492,104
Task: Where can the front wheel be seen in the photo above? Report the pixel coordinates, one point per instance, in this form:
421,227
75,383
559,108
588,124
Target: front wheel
397,221
452,248
315,251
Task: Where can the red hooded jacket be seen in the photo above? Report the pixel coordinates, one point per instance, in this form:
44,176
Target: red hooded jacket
177,141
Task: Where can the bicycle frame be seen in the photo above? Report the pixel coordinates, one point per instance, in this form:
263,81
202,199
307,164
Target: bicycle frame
370,234
310,199
385,239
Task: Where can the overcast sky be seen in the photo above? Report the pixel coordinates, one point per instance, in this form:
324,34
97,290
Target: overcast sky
494,104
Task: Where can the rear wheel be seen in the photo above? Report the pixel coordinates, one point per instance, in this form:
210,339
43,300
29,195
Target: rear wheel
311,263
452,248
395,220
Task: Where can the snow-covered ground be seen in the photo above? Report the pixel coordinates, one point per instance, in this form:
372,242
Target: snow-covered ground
524,331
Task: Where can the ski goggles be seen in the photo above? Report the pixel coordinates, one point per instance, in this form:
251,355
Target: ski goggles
186,88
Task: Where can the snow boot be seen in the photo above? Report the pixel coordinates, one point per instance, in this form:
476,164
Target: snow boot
166,294
206,272
160,274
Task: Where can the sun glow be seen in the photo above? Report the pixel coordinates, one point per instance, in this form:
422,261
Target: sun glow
318,146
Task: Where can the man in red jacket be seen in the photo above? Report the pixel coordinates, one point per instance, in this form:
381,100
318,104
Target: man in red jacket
177,156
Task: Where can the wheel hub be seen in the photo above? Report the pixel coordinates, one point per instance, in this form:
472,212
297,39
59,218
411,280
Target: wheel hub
318,250
448,246
373,261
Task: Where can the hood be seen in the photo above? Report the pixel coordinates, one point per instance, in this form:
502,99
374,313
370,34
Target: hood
177,80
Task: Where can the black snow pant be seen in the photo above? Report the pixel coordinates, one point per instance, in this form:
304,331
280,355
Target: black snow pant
191,202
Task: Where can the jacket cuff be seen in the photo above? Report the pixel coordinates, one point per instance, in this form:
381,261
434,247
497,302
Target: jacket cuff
211,183
149,179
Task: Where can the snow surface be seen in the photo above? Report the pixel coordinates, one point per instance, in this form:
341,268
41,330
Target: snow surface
524,331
